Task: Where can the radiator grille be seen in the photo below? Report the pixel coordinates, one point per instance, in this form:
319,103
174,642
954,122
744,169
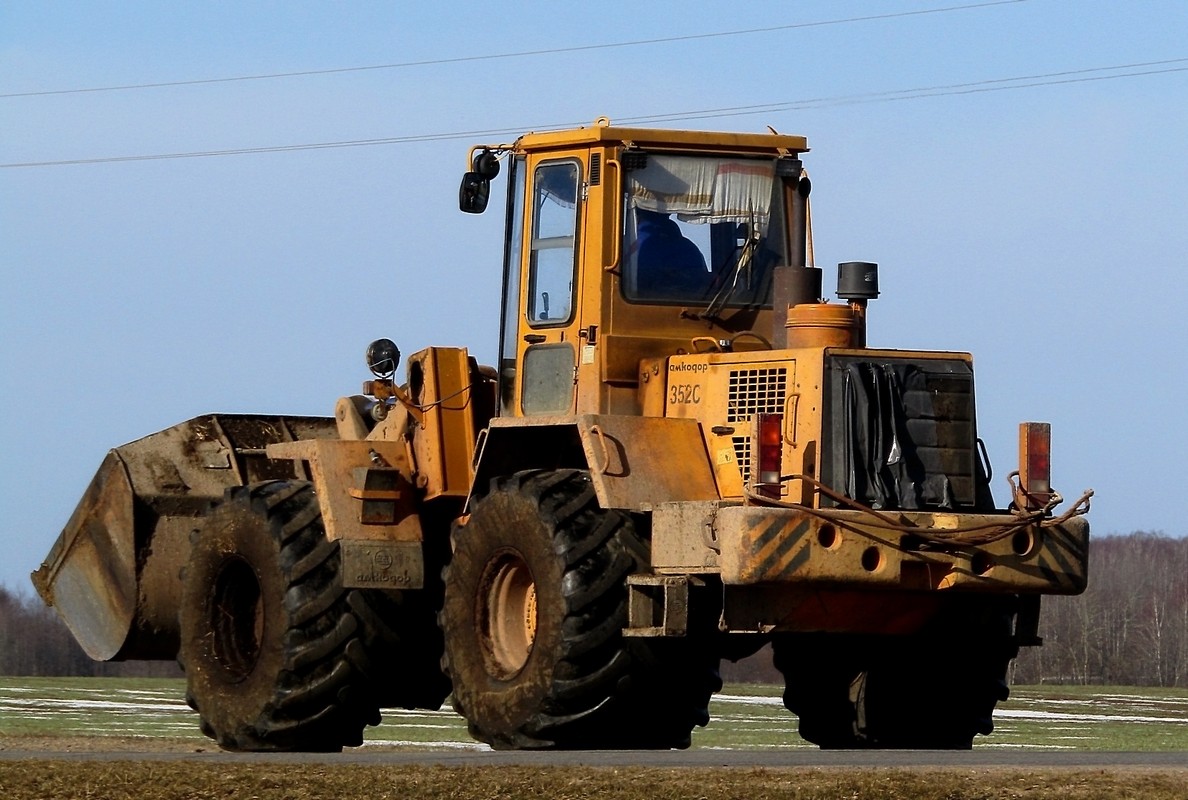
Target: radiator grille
751,392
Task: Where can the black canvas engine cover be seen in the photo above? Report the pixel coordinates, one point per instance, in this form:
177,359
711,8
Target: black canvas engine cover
902,434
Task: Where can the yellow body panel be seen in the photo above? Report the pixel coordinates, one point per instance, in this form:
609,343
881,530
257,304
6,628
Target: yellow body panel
443,450
342,472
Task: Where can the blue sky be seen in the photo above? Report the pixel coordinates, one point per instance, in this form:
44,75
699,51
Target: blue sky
1042,227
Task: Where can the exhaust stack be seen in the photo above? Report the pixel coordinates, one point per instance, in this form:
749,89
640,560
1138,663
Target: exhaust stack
858,282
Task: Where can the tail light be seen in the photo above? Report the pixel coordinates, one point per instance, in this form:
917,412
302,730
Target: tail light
1035,462
770,436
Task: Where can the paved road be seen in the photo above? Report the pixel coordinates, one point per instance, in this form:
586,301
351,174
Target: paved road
988,758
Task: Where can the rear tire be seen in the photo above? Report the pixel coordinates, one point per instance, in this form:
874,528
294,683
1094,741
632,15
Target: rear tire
275,651
818,670
935,690
535,605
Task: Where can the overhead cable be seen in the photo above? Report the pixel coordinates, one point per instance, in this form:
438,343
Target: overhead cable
518,54
994,85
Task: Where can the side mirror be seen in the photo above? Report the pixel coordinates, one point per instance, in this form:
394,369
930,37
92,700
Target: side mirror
474,193
486,164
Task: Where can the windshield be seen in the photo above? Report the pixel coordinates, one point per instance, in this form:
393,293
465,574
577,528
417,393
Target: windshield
702,231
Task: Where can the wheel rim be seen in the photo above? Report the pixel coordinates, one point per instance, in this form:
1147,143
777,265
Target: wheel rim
237,619
506,614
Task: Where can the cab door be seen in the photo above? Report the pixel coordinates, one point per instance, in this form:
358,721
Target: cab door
548,315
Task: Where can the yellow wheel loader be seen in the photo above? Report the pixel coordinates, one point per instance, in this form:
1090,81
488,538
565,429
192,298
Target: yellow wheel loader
684,452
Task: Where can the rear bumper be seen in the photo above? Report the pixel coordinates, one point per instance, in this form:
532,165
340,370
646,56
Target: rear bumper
764,545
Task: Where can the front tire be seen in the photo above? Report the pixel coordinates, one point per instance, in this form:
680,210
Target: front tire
272,646
535,605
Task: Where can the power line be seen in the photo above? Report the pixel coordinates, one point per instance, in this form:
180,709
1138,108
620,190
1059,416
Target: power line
975,87
286,148
518,54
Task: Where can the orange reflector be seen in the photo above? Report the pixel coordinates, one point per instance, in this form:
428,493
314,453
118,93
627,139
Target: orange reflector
771,453
1035,460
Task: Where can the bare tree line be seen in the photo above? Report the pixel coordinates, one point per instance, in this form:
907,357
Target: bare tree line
33,641
1130,628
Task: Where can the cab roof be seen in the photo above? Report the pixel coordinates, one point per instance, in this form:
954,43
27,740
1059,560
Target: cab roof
603,132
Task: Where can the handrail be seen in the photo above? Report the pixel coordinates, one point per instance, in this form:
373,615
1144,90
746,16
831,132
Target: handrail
617,218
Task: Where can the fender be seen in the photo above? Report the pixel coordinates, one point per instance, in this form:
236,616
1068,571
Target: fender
636,463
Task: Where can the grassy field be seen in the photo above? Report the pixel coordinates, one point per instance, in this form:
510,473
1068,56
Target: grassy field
744,717
135,715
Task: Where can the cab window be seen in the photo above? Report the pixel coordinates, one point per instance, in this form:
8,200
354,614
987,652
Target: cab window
553,243
701,230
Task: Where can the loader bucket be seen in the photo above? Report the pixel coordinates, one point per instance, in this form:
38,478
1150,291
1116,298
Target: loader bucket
113,575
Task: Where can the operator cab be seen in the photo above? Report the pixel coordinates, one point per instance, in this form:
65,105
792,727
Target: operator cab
631,244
